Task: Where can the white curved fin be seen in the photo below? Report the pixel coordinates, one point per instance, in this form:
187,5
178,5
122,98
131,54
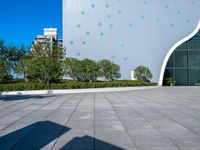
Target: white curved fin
173,49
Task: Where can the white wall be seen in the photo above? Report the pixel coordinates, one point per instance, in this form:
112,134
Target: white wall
128,32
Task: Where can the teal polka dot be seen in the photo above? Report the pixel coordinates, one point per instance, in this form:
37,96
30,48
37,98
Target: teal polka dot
92,5
99,24
82,13
78,54
101,34
166,7
157,20
109,16
83,42
111,25
125,58
71,42
122,45
145,2
119,0
113,56
131,24
178,12
107,6
172,25
142,17
188,20
88,33
119,11
78,25
192,2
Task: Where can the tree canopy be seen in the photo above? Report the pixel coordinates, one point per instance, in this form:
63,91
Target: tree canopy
44,69
143,73
90,70
109,70
46,62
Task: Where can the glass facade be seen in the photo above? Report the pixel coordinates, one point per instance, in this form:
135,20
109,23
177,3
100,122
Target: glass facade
184,63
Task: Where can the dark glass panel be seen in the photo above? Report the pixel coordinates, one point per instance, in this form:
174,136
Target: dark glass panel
194,76
184,63
194,45
194,59
168,73
182,47
170,62
180,59
181,77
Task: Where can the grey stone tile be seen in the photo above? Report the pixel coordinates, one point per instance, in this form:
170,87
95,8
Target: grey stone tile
154,119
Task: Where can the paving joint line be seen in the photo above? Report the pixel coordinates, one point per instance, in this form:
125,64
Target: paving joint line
94,124
12,105
133,142
184,106
172,119
182,112
41,120
14,111
56,140
28,114
148,122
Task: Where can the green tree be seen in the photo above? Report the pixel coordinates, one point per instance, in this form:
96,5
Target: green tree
88,70
170,81
11,56
82,70
44,69
71,67
54,50
4,70
5,65
22,67
109,70
143,74
45,61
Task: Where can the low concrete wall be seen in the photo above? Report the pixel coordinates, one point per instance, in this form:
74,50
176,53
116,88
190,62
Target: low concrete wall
92,90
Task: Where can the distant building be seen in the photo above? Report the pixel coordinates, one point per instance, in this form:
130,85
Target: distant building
132,75
50,35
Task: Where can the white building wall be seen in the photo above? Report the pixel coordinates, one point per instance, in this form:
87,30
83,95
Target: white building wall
128,32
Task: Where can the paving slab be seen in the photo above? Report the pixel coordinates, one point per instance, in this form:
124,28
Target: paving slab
163,118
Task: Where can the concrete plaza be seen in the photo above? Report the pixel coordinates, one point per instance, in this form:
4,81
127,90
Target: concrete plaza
165,118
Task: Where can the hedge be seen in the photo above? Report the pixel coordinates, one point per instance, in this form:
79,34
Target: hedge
23,86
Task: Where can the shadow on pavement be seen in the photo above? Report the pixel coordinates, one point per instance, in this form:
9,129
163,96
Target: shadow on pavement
89,143
38,135
22,97
33,137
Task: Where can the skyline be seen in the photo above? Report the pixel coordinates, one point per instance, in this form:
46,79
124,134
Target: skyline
26,19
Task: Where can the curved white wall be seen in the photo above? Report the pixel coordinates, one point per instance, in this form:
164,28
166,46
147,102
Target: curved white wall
128,32
173,49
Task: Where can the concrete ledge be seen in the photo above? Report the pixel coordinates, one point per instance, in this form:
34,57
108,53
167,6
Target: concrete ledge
92,90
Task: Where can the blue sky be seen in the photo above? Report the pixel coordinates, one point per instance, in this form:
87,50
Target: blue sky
22,20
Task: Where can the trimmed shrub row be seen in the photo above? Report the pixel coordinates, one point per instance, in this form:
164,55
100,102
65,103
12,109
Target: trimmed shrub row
23,86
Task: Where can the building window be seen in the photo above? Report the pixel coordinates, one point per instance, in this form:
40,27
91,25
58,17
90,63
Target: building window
184,63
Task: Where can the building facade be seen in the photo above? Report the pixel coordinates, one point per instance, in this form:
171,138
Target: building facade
184,63
130,32
50,34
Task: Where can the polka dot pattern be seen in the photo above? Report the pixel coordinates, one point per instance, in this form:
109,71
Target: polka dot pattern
118,28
